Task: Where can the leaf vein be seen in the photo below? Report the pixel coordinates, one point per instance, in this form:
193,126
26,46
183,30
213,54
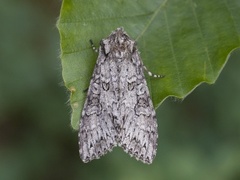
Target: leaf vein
231,16
105,18
173,55
152,18
203,42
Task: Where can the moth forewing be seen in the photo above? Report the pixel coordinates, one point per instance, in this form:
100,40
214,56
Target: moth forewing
118,110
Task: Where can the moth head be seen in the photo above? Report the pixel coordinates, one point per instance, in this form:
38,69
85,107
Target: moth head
118,43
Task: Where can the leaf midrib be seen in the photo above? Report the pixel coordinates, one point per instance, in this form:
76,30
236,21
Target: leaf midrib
151,19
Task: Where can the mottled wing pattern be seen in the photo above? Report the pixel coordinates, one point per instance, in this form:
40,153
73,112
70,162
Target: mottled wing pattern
139,130
97,132
118,109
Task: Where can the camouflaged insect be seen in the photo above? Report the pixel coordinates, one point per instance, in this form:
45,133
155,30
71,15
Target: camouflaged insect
118,110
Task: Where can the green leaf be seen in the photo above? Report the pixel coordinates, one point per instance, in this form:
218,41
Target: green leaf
188,41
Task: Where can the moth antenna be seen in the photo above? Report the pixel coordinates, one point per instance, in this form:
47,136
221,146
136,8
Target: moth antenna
93,47
153,75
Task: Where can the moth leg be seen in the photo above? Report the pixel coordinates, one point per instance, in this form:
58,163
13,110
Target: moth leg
85,90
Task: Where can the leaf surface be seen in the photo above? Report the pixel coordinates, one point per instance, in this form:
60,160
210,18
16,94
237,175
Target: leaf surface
188,41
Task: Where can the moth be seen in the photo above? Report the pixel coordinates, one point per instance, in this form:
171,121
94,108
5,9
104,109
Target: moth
118,110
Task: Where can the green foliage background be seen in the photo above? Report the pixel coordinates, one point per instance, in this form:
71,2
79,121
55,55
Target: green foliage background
199,137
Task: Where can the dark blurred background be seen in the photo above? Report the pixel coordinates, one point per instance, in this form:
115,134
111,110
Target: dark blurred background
199,137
